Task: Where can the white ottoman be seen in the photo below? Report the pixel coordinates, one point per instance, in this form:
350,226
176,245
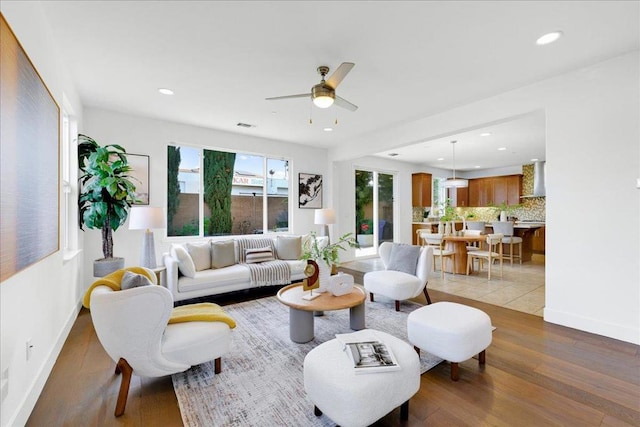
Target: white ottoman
453,332
351,399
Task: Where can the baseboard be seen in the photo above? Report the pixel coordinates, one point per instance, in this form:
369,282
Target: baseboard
592,325
25,408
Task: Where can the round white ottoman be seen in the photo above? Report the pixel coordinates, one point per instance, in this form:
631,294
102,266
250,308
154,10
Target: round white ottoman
453,332
351,399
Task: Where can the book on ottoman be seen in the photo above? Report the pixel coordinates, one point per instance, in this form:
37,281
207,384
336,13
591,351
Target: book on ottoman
368,355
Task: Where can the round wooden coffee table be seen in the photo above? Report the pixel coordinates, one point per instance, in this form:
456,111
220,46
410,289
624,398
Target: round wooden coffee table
301,311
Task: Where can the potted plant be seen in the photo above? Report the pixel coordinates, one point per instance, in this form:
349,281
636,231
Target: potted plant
326,256
105,197
365,233
503,210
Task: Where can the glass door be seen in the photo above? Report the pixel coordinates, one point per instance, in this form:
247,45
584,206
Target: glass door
374,210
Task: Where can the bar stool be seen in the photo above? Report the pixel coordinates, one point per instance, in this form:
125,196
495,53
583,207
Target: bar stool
506,229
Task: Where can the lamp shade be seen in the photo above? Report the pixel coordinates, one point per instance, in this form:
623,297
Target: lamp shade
325,216
145,217
455,183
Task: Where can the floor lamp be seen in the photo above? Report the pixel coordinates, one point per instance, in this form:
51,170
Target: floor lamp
146,218
325,217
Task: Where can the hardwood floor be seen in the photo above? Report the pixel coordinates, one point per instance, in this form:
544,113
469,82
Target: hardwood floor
536,374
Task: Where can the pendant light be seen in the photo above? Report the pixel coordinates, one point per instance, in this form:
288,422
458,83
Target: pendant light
455,182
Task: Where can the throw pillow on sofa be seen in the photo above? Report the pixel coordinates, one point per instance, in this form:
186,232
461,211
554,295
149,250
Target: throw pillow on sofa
257,255
185,263
289,247
133,280
223,253
200,254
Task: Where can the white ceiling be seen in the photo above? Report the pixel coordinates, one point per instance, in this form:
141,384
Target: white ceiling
413,59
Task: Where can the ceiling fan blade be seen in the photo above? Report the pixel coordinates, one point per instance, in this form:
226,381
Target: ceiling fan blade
341,102
300,95
339,74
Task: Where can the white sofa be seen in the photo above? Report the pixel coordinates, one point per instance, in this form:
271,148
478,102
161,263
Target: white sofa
234,277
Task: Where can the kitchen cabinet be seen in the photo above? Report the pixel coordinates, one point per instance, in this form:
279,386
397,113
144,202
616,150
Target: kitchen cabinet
421,189
494,190
539,241
460,195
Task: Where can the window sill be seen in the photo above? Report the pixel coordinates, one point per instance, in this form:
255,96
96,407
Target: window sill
69,255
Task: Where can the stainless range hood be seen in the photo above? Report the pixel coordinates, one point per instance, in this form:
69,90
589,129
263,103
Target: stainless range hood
538,181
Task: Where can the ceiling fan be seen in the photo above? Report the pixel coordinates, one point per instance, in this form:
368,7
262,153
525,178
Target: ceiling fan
323,94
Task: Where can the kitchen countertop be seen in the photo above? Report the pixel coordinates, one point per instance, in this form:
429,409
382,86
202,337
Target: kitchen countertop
518,224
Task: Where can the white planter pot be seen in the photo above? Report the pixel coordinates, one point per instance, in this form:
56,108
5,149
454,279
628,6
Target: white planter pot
365,240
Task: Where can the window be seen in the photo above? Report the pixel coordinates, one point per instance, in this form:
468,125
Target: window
236,193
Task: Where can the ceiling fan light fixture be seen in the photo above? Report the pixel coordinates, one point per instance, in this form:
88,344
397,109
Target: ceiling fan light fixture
323,95
323,101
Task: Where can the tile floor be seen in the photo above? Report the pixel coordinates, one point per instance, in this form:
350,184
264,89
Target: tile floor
521,287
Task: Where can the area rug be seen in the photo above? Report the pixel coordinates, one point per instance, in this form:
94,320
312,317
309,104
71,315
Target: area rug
261,383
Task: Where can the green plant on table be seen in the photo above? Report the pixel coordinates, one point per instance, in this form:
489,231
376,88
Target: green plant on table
329,253
449,212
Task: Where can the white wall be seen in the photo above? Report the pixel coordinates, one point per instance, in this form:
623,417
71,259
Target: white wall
141,135
593,161
41,302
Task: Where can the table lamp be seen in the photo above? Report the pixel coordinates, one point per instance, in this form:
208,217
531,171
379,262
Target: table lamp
146,218
325,217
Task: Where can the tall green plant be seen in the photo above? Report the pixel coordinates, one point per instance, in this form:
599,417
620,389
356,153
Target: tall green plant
106,191
218,180
173,187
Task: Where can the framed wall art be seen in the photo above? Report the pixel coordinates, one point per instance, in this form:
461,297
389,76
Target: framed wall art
309,191
29,157
140,176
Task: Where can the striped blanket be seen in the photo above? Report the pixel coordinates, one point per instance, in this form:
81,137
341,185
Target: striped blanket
266,273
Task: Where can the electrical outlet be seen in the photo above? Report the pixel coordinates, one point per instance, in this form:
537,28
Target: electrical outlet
5,384
29,348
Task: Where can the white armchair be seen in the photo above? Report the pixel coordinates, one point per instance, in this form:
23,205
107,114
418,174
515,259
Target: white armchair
132,327
399,285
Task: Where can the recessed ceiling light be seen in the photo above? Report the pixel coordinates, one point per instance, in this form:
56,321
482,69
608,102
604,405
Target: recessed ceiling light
393,154
477,167
440,159
549,38
485,134
165,91
534,160
502,148
328,129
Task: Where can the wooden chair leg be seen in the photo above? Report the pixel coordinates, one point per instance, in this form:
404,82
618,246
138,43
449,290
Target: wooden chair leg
511,253
454,372
426,294
482,357
371,296
520,252
404,411
126,371
217,365
397,305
